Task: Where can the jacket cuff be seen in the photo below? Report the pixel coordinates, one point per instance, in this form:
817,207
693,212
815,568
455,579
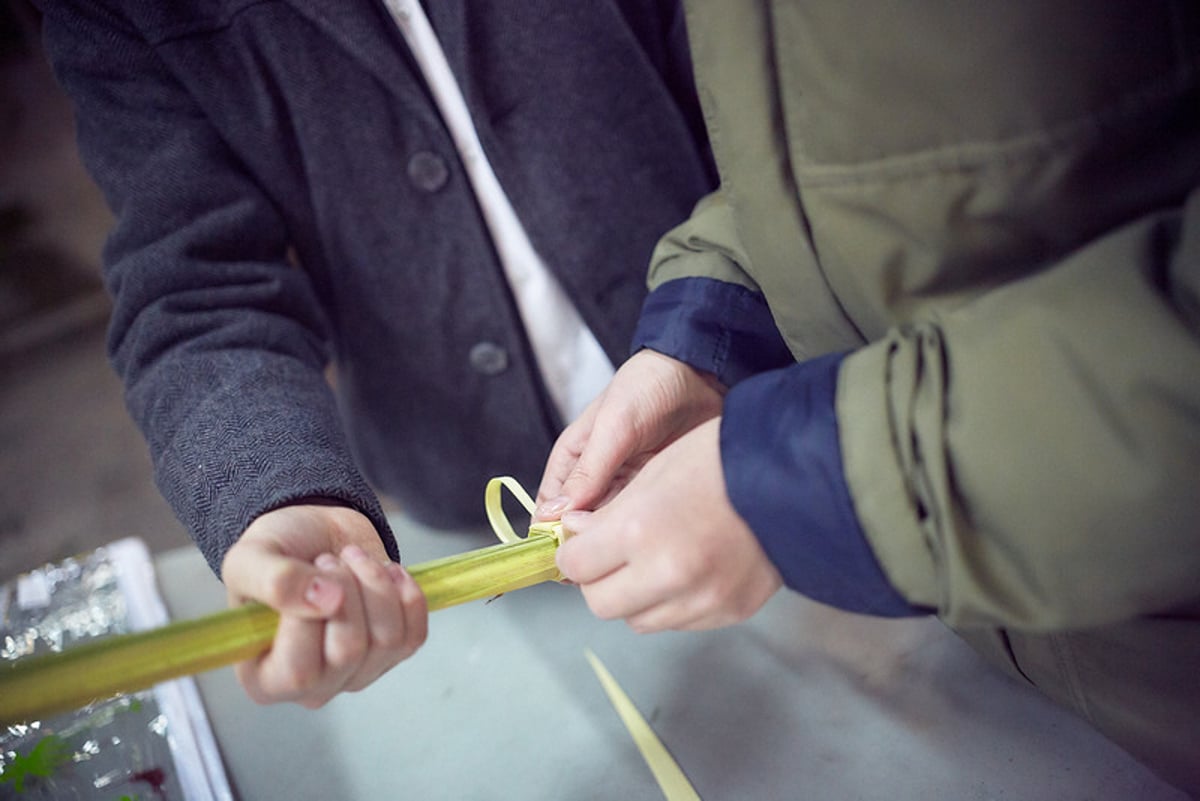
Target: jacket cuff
782,462
262,469
715,326
350,492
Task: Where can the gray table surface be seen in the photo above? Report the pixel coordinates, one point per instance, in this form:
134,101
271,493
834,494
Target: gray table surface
800,702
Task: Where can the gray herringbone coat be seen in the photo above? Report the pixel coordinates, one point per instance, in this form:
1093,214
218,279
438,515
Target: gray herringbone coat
287,195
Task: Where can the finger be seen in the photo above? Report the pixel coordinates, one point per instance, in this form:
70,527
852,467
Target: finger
647,607
589,553
684,614
290,586
671,616
619,596
710,606
621,479
384,617
346,637
623,575
613,442
563,456
416,611
291,668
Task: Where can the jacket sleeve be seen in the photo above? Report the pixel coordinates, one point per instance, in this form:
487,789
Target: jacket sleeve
706,244
220,342
779,438
1032,459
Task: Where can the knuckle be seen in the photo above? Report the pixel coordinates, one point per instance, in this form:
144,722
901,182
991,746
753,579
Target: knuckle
347,651
279,577
567,562
415,635
419,638
641,625
314,702
676,575
602,608
361,682
257,695
250,684
374,574
294,679
709,601
742,607
391,637
581,473
638,535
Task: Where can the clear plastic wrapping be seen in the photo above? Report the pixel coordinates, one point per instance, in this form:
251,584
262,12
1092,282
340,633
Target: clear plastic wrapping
149,746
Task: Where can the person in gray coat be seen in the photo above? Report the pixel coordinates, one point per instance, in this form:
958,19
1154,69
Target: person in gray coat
316,297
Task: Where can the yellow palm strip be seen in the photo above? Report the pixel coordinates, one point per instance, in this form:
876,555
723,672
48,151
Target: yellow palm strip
45,685
666,770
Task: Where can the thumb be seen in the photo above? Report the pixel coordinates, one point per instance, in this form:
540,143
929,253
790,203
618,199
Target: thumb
583,559
608,450
290,586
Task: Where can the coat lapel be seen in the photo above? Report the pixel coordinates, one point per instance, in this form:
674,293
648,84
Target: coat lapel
366,31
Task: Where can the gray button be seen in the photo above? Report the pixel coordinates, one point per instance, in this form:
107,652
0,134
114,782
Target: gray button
428,171
488,358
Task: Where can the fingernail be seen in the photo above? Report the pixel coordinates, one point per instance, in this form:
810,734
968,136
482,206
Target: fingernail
552,508
352,553
326,561
397,572
320,593
573,520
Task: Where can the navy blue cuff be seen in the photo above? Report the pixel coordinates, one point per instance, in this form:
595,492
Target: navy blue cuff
714,326
783,471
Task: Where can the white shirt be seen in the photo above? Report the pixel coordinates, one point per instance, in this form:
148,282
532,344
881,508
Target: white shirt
574,367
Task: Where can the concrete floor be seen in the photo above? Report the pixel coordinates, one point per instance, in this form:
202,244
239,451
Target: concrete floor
74,472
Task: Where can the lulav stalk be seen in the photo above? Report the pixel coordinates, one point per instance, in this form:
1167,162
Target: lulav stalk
45,685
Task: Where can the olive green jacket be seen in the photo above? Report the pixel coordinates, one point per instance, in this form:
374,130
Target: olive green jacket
995,207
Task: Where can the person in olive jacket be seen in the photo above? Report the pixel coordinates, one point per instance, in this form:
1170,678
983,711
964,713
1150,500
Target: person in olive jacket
933,348
291,192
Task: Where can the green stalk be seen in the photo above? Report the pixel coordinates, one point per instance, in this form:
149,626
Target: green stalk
35,688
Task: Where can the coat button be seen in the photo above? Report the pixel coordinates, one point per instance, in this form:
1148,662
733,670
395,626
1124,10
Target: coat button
428,171
488,358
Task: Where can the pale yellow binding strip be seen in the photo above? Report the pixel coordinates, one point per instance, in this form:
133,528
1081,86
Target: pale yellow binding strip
666,770
499,521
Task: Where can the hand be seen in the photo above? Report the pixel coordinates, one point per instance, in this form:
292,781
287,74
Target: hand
347,612
669,551
650,402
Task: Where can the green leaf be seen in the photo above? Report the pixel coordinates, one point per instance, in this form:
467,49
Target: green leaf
50,753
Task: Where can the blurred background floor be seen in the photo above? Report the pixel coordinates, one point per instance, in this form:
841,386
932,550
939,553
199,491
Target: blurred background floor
74,471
